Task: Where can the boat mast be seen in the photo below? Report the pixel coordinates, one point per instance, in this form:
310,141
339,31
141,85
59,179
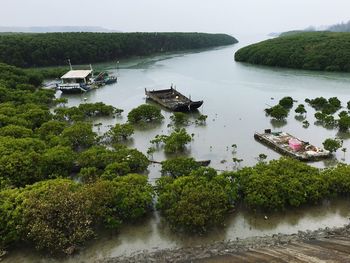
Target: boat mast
70,65
92,71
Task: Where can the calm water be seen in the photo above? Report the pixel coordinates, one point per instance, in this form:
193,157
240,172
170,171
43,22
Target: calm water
235,96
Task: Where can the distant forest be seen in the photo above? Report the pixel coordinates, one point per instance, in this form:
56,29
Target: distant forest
342,27
52,49
327,51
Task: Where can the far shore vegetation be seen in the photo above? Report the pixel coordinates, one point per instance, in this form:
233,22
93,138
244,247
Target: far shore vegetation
324,51
53,49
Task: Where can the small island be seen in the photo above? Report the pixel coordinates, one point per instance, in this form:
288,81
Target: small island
324,51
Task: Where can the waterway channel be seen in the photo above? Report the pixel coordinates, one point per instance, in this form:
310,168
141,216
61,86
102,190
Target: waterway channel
235,96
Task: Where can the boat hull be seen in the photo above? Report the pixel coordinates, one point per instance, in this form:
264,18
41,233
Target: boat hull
74,88
192,106
173,100
282,149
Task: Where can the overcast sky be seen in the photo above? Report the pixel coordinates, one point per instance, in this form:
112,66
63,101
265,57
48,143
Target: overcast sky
227,16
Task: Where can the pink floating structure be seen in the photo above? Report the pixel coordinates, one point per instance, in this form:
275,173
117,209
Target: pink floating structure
295,144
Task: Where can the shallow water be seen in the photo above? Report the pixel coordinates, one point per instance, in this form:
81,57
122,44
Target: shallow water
235,96
153,234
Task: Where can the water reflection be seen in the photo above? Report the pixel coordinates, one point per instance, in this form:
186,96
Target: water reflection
300,118
152,233
343,135
278,123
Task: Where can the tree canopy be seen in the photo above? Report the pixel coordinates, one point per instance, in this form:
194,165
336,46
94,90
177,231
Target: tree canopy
327,51
53,49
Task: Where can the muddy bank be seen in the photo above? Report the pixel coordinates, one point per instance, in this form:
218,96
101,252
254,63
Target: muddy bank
310,246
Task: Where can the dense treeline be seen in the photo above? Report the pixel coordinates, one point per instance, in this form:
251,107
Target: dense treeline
52,49
200,198
42,155
59,215
342,27
312,51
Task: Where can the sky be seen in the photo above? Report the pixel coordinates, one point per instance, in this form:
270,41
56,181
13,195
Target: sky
235,17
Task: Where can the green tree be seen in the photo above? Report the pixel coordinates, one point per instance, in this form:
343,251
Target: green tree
277,112
58,162
79,135
100,157
195,203
300,109
89,174
201,119
332,145
11,220
21,168
344,123
335,102
50,129
279,184
114,170
124,199
180,166
120,132
286,102
145,113
72,224
179,118
176,141
16,131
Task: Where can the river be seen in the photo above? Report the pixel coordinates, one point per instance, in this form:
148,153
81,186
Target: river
235,95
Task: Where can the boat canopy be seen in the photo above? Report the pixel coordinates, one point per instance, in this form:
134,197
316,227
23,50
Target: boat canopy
76,74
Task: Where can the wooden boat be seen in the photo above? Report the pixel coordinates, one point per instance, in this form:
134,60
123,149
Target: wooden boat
103,78
291,146
173,100
76,81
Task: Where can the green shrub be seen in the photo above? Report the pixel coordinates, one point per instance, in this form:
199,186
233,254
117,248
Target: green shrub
145,113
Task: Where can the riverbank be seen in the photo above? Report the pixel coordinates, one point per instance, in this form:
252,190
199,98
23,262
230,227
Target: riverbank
308,246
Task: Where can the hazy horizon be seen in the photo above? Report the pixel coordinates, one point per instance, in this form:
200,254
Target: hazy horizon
224,16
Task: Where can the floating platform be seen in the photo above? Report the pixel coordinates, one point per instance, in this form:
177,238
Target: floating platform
291,146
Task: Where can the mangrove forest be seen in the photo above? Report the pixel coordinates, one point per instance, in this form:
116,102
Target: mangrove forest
325,51
53,49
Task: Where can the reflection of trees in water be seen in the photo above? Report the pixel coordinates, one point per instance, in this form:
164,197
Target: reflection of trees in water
300,117
292,216
189,239
324,125
343,135
185,153
330,162
147,126
109,240
278,123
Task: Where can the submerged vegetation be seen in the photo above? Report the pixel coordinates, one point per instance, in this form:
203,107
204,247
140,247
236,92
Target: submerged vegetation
145,113
175,142
189,201
27,213
40,151
311,51
281,110
61,181
53,49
